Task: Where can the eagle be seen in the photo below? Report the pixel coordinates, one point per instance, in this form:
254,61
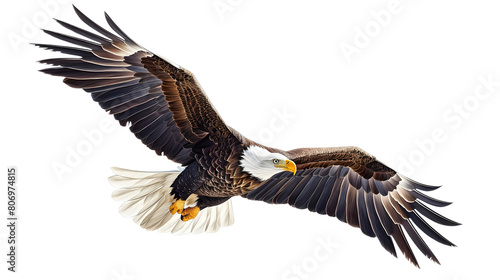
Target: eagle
166,108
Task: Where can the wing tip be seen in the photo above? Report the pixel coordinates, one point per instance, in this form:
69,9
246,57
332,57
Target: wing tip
412,261
76,9
420,186
39,45
106,15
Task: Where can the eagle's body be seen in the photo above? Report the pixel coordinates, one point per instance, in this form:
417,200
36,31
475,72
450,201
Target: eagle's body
169,112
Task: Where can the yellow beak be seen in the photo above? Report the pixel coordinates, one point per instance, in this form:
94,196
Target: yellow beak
287,165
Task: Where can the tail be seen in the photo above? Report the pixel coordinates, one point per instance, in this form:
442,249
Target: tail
146,197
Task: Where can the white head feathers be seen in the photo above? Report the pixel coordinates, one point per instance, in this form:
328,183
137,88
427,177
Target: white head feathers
258,162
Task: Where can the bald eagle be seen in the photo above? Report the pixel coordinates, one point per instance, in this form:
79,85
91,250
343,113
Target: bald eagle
169,112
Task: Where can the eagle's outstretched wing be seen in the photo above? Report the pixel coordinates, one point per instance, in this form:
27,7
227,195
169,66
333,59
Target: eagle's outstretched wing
166,107
353,186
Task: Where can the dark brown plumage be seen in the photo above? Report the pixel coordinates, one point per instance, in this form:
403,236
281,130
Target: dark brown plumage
169,112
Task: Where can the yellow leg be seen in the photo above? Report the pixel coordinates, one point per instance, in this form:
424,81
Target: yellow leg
190,213
177,206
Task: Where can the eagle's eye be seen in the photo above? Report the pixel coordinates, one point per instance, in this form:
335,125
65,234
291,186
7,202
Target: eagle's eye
275,161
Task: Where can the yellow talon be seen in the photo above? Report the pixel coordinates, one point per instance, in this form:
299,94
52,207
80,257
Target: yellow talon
177,206
190,213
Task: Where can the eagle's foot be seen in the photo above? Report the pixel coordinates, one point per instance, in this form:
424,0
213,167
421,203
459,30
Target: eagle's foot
190,213
177,206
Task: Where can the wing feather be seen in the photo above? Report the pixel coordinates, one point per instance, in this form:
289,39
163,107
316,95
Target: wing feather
333,200
364,221
307,192
313,202
351,207
322,203
340,212
403,245
377,227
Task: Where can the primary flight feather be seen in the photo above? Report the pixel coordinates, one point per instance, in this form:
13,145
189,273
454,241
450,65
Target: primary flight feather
169,112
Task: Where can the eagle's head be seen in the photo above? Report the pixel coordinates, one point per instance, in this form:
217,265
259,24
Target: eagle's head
262,164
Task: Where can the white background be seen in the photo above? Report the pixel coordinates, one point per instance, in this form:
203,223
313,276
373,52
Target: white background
253,60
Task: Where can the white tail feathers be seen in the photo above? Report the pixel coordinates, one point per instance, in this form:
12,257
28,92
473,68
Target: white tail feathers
146,197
